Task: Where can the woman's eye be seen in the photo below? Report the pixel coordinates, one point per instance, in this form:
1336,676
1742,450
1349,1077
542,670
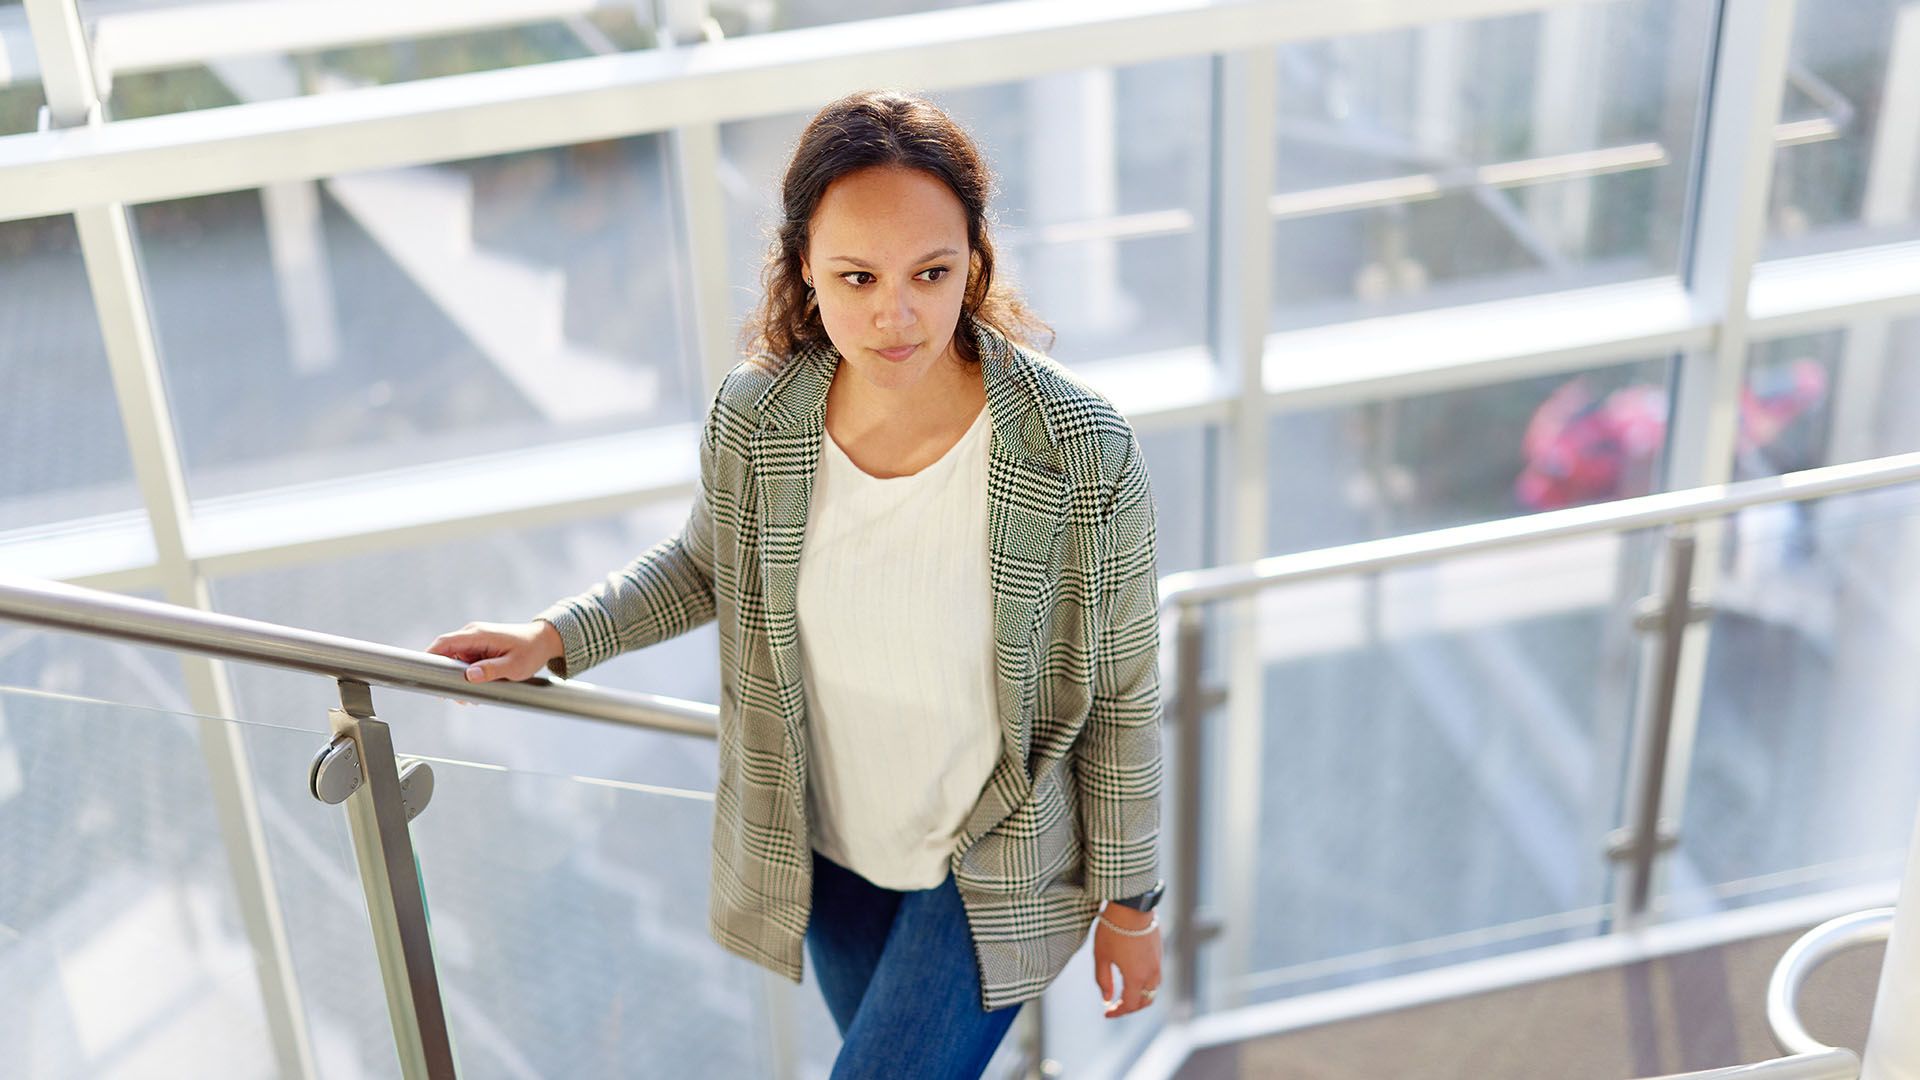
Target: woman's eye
938,272
851,275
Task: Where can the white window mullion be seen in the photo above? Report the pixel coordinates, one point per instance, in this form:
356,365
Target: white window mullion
1728,227
1246,89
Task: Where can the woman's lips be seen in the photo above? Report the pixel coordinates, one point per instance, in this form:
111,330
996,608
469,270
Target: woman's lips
898,354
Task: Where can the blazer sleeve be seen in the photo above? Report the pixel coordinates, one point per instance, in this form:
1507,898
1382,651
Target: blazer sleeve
665,592
1118,760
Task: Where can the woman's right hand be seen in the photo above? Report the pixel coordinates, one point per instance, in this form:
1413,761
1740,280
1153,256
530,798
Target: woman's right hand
501,650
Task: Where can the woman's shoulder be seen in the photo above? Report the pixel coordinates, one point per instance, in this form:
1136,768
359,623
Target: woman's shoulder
747,382
743,392
1077,412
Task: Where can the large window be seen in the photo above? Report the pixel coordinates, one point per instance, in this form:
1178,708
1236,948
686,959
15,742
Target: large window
319,329
1848,165
1461,161
63,450
1101,208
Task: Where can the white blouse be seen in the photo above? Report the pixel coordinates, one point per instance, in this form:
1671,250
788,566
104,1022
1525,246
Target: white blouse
896,649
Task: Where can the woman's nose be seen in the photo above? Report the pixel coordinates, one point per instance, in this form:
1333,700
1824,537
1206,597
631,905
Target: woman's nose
896,310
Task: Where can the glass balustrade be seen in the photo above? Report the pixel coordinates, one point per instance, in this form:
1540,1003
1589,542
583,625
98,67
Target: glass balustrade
124,946
1806,767
1437,762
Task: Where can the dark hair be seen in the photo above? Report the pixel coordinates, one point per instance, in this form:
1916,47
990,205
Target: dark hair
859,131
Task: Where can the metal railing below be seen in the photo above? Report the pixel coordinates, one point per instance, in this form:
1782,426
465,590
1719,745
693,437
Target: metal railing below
357,768
1828,1064
1814,948
1811,1059
1667,614
59,606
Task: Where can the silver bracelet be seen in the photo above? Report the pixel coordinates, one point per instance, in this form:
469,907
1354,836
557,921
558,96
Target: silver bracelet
1124,932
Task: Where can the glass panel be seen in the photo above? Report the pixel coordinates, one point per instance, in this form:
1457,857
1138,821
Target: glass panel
740,17
1465,161
1100,215
1829,398
385,319
348,59
410,596
113,864
570,929
321,898
63,450
1803,775
1442,761
1360,472
1845,170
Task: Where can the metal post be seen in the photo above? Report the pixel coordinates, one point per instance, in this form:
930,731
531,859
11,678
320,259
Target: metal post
1033,1042
379,804
1647,835
1191,742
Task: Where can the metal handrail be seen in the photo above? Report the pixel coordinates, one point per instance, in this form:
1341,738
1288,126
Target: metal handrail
1197,587
1828,1064
1812,1059
60,606
1814,948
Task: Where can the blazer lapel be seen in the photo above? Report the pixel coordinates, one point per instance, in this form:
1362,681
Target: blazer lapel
1026,515
786,452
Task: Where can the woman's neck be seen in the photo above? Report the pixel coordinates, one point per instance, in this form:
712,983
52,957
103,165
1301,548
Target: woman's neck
952,393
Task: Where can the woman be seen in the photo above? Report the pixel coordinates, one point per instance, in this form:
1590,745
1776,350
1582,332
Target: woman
930,552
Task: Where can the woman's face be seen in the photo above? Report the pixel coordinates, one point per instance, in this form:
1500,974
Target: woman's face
888,258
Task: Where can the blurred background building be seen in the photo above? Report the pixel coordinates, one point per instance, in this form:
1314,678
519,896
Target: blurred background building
376,318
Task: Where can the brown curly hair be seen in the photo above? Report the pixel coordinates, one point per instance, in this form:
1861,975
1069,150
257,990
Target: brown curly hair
862,130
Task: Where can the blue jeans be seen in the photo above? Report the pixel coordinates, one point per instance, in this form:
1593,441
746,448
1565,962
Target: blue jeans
899,975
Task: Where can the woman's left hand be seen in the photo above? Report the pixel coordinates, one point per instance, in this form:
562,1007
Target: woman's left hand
1138,959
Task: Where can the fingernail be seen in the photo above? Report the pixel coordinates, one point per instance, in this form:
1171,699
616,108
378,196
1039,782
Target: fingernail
474,673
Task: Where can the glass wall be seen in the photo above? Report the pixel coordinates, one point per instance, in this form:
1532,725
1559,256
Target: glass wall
1846,170
1463,161
63,449
154,75
417,315
1361,472
1831,397
1100,215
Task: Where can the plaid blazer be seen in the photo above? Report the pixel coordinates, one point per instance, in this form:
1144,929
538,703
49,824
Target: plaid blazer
1070,815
